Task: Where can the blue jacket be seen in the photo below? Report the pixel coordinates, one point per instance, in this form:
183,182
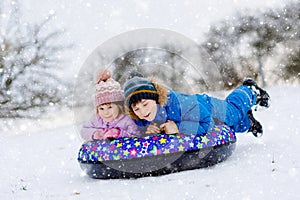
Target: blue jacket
196,114
191,113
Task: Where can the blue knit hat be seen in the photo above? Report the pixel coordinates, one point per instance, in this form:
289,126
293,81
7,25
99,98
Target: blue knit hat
138,88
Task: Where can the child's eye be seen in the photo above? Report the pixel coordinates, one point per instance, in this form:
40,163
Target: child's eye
109,107
101,108
145,104
136,109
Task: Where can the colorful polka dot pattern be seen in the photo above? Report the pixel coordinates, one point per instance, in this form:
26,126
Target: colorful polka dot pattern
127,148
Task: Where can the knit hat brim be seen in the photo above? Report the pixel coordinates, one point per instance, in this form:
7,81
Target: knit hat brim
108,97
138,88
139,95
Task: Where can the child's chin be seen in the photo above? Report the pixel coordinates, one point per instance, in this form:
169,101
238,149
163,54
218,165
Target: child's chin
109,120
149,119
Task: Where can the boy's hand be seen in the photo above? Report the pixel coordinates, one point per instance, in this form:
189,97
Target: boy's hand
169,127
153,128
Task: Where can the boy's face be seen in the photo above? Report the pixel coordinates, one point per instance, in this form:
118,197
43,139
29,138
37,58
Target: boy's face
145,109
108,112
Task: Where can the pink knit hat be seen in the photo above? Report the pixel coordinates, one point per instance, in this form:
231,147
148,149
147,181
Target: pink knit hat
108,91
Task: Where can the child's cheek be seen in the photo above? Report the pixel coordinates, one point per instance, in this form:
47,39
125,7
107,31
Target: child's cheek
138,115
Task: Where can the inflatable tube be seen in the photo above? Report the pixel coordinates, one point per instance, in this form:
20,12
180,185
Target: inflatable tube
155,155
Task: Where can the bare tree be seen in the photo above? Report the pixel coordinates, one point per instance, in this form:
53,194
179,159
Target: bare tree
219,42
240,46
288,22
29,60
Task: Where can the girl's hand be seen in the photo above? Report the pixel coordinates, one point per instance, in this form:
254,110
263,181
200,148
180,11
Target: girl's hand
112,133
169,127
153,128
99,134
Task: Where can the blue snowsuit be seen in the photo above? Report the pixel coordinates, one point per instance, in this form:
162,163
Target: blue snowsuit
199,112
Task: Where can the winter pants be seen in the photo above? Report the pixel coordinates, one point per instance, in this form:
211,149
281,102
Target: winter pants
233,110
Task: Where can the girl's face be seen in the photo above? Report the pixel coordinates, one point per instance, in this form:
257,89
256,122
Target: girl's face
108,112
145,109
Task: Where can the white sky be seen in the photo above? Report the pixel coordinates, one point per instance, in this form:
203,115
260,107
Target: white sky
90,23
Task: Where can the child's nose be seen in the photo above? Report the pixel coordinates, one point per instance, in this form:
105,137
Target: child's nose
143,112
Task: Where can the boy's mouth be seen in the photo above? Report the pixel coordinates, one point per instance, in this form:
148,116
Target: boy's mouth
146,116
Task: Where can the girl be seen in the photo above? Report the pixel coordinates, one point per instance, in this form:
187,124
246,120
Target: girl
109,122
158,109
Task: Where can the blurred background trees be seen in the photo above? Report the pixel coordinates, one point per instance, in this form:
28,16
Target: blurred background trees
167,65
244,44
262,45
29,60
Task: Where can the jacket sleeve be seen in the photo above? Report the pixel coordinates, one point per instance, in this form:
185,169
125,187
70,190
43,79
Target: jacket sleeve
129,129
188,125
194,114
89,128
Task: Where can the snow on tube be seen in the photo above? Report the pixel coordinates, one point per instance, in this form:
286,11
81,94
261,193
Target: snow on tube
156,154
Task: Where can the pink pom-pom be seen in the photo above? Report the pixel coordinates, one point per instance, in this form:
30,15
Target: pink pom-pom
103,75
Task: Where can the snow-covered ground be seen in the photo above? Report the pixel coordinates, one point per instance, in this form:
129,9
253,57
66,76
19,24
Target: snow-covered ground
42,164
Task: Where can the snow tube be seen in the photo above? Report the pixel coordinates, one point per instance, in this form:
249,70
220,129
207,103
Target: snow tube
156,154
